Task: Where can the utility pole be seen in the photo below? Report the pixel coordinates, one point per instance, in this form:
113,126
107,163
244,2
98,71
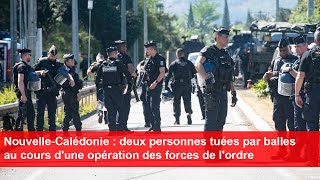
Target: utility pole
310,8
136,41
32,28
75,32
90,6
277,10
145,21
13,32
123,20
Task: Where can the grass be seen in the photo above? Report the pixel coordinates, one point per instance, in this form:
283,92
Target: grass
7,95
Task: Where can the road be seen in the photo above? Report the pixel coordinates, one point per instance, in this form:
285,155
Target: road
237,120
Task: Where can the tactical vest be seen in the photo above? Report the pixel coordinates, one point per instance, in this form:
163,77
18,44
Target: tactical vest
223,71
150,70
52,68
315,72
111,74
181,72
15,77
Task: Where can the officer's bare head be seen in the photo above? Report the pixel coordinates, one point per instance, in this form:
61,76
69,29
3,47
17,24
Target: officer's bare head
52,53
25,55
151,48
112,52
284,48
221,37
179,53
317,36
69,60
300,45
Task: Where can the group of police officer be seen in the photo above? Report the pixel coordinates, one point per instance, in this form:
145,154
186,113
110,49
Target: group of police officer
294,83
46,79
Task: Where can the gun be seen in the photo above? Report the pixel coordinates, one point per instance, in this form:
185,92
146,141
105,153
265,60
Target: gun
201,100
141,76
134,88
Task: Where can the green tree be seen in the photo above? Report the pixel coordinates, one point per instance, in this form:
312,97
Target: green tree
205,14
249,19
226,16
299,14
284,14
190,23
5,15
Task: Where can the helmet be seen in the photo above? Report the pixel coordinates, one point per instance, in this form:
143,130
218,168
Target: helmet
61,77
286,82
34,82
167,95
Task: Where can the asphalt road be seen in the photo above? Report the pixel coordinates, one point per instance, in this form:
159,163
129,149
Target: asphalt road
236,121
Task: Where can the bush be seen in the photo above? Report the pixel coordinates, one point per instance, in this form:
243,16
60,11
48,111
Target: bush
7,95
261,88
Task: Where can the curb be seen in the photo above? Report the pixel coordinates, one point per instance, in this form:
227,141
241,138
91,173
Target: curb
253,117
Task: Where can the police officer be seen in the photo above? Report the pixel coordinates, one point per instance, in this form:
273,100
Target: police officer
126,60
50,89
21,72
244,56
181,71
93,69
143,96
112,73
71,96
301,47
155,69
309,71
283,111
218,80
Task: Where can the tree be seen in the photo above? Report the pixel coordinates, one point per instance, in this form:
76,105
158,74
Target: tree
299,14
5,15
226,16
249,19
284,14
190,23
205,14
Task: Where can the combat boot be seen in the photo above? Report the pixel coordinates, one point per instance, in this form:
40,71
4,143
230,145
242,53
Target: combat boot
189,119
177,121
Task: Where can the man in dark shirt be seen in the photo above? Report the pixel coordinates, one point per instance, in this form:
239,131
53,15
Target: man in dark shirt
126,60
181,71
71,96
21,72
155,72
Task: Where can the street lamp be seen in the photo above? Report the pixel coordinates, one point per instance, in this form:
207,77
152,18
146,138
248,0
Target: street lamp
90,6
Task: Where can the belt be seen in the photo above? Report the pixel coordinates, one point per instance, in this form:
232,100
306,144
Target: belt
112,85
182,81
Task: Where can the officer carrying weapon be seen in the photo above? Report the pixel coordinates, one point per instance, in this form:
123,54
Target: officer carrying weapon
25,80
49,89
218,81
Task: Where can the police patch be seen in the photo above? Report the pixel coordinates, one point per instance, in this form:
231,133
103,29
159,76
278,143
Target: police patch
161,63
109,69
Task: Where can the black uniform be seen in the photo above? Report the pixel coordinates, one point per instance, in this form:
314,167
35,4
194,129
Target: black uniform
244,56
112,75
283,113
181,71
47,94
27,109
71,103
215,94
100,96
143,98
125,59
152,98
310,64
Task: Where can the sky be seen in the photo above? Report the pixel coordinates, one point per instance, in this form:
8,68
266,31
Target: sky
237,8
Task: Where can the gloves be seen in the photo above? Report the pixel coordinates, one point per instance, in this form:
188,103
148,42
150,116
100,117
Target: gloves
209,85
234,98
